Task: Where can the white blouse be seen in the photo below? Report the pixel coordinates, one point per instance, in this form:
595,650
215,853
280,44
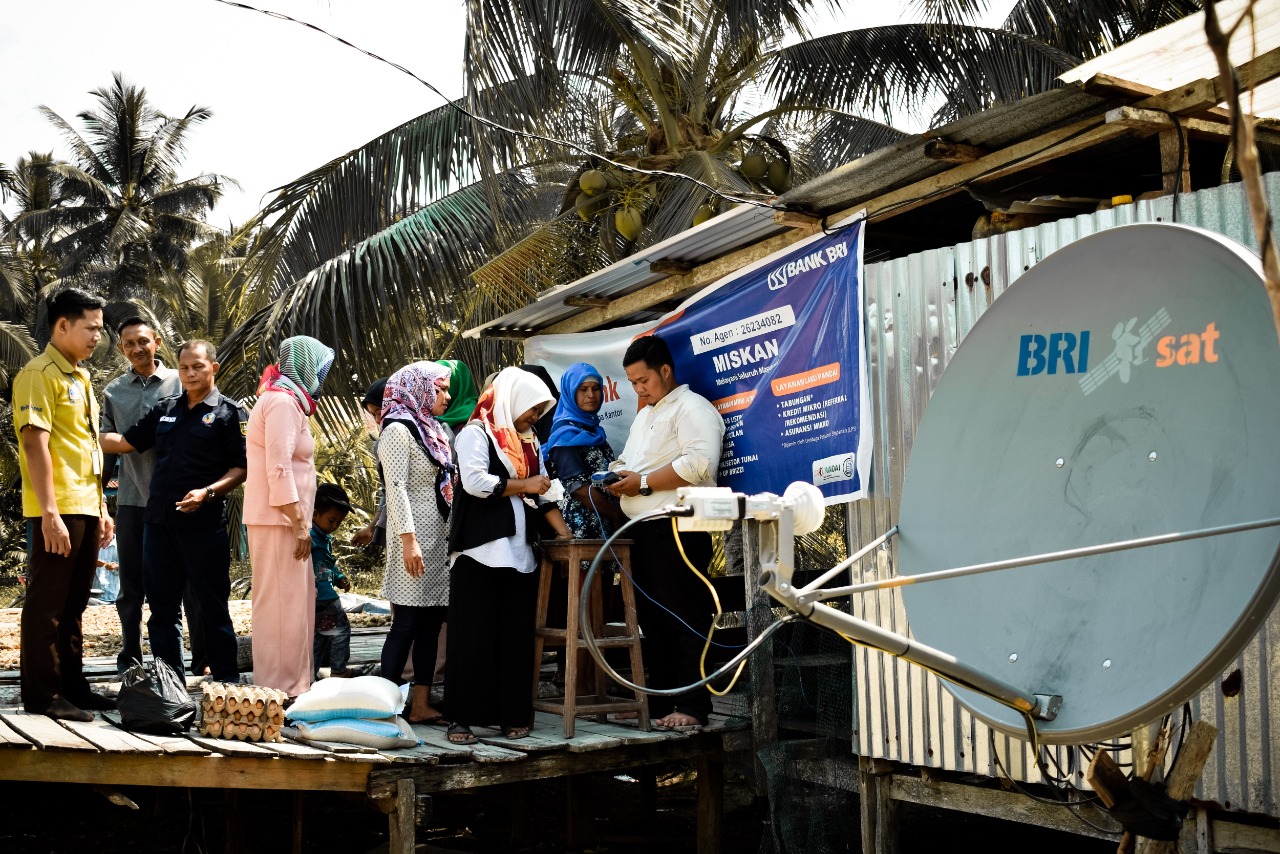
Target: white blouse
472,449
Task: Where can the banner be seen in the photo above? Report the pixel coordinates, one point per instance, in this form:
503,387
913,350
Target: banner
604,351
777,347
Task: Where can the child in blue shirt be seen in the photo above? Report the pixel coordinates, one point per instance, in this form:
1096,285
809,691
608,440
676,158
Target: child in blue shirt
333,629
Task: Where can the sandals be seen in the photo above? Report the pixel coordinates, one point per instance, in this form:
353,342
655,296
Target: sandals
461,734
513,732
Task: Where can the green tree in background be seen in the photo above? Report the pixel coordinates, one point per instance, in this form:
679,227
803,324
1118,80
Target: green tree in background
125,221
389,250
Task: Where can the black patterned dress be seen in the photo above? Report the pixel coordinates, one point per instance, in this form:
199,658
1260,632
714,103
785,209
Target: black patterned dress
574,466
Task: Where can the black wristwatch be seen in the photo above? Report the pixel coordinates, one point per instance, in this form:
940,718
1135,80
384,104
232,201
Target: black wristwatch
209,494
645,488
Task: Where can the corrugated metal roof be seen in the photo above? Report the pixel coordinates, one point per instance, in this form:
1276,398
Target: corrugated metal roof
905,162
1179,54
741,226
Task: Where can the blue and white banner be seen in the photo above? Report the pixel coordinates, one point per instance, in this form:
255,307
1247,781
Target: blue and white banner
778,349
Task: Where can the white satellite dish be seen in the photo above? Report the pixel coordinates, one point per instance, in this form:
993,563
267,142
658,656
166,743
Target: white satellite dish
1127,386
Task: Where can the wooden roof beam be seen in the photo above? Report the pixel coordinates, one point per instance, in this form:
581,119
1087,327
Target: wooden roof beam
1057,143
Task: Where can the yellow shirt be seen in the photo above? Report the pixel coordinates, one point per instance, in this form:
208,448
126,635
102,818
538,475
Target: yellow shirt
52,394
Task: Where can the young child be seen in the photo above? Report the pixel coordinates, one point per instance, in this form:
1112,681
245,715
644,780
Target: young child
333,630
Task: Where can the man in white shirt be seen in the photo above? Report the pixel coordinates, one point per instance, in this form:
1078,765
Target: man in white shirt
674,441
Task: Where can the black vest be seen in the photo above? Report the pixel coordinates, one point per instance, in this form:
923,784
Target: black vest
476,521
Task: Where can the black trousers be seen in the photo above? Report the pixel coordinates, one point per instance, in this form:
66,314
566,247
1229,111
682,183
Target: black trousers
178,558
489,668
129,528
52,653
676,624
417,627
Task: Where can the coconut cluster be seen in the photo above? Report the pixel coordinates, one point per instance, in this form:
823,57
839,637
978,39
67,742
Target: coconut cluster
776,173
241,712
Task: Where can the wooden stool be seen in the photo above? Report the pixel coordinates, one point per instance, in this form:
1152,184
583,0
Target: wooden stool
565,557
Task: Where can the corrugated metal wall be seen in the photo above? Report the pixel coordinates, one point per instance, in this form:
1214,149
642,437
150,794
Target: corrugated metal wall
918,309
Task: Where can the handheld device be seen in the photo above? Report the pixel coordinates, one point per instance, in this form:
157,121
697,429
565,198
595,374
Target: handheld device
604,478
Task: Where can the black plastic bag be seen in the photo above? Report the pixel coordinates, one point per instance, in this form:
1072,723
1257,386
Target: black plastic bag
154,699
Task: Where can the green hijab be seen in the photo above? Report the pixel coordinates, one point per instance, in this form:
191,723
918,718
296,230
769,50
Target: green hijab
463,391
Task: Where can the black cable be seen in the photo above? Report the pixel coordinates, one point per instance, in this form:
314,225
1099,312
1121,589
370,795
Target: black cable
1061,802
572,146
1182,155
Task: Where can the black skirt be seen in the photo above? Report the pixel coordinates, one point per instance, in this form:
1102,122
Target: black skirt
489,670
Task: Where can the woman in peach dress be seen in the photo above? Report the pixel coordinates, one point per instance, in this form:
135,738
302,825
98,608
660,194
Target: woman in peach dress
279,496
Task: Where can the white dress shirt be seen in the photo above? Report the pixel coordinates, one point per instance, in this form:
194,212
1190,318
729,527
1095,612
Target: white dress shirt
682,429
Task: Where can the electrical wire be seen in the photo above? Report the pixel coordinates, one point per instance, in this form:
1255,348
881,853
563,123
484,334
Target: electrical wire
1070,805
490,123
589,639
636,586
662,173
715,597
1182,156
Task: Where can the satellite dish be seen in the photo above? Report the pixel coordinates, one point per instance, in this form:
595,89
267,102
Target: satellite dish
1128,385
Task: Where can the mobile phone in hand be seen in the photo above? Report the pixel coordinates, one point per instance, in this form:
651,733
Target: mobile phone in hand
604,478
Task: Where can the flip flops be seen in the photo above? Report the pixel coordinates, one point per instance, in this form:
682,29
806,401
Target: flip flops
461,734
514,732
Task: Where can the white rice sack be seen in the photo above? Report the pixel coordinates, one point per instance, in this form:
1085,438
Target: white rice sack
386,734
337,697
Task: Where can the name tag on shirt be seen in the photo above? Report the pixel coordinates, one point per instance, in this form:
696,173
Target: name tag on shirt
168,418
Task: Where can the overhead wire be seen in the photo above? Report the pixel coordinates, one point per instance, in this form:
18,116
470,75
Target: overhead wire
498,126
661,173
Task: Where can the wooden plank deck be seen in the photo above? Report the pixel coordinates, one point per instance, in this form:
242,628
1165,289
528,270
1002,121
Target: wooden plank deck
39,749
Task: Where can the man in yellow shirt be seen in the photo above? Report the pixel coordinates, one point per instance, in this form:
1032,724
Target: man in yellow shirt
56,416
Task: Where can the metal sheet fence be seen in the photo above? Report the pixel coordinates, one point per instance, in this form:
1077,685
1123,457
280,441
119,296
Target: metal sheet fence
917,311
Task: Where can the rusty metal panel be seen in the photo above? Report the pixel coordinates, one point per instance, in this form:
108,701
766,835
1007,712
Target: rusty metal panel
917,311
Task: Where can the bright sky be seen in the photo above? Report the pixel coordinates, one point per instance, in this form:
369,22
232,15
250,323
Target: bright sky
285,99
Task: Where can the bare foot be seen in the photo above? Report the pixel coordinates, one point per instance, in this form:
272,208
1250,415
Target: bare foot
625,716
676,720
420,710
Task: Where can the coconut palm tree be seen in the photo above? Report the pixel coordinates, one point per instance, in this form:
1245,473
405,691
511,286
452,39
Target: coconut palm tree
28,266
593,127
125,220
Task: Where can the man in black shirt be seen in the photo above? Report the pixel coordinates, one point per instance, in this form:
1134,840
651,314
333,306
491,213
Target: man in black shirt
198,438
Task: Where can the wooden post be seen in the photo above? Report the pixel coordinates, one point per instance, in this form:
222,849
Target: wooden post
710,802
878,811
235,841
298,814
868,793
1181,782
764,704
400,819
521,797
1176,173
578,813
1150,761
648,780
